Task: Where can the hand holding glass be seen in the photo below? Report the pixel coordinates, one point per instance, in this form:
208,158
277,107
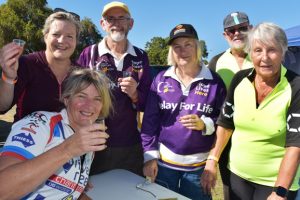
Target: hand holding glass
126,74
20,43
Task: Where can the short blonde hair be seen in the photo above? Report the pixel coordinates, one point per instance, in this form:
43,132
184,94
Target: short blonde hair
80,79
63,16
171,60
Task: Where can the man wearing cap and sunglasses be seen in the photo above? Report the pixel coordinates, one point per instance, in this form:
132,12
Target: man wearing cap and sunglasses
226,64
115,55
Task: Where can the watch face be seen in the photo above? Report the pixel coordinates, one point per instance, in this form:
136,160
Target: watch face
281,191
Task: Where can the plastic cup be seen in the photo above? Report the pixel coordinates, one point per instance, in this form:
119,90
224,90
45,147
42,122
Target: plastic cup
19,42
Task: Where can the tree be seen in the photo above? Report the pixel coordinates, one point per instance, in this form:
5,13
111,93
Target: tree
89,35
25,19
157,50
203,49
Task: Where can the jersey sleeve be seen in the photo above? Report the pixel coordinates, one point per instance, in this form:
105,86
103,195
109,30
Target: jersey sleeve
144,84
28,137
151,120
293,115
213,62
85,56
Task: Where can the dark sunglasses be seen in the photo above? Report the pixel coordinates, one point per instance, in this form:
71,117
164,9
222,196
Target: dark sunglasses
239,29
76,16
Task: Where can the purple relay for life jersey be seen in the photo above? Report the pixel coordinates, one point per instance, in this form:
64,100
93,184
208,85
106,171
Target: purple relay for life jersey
122,123
167,102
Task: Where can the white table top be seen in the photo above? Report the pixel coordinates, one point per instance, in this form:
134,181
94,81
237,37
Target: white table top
121,184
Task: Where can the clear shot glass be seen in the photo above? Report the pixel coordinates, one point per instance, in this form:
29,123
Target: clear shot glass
19,42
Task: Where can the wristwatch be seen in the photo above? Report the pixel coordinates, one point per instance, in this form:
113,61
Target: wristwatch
281,191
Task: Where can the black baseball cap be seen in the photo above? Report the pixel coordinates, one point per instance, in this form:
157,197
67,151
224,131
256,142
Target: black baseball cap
182,30
234,19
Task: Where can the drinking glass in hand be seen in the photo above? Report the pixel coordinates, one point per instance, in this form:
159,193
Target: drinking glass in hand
19,42
100,121
126,74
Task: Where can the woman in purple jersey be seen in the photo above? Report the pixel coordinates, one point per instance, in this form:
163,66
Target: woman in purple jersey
179,121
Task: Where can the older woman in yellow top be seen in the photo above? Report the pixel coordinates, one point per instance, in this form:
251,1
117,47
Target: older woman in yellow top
261,114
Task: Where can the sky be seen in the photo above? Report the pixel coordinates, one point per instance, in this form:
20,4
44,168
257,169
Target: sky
155,18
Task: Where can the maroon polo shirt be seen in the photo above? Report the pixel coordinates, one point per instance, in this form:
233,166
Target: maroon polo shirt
37,87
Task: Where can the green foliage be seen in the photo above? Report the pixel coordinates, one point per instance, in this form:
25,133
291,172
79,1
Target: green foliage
10,25
23,19
203,49
89,35
157,50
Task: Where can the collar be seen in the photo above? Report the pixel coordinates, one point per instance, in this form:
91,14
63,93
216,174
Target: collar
64,115
203,74
228,51
103,49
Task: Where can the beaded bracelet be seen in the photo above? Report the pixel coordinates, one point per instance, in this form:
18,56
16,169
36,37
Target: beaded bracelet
4,78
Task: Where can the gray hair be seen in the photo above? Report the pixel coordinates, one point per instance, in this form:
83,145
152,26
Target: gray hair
171,60
80,79
64,16
267,33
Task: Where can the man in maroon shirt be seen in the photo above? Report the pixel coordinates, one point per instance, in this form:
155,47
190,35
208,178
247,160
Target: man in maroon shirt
115,55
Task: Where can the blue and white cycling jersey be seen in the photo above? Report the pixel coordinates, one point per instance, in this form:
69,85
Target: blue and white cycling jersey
38,133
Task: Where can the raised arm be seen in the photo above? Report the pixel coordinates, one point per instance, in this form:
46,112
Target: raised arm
19,177
9,55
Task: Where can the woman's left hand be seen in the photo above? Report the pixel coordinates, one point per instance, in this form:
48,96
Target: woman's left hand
192,122
209,176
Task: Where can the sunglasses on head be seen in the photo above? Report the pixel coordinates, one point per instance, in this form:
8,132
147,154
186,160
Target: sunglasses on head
239,29
76,16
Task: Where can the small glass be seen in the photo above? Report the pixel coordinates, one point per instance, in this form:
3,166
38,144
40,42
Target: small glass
100,121
19,42
126,74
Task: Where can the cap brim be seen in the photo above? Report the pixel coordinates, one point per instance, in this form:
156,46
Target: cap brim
105,11
179,36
